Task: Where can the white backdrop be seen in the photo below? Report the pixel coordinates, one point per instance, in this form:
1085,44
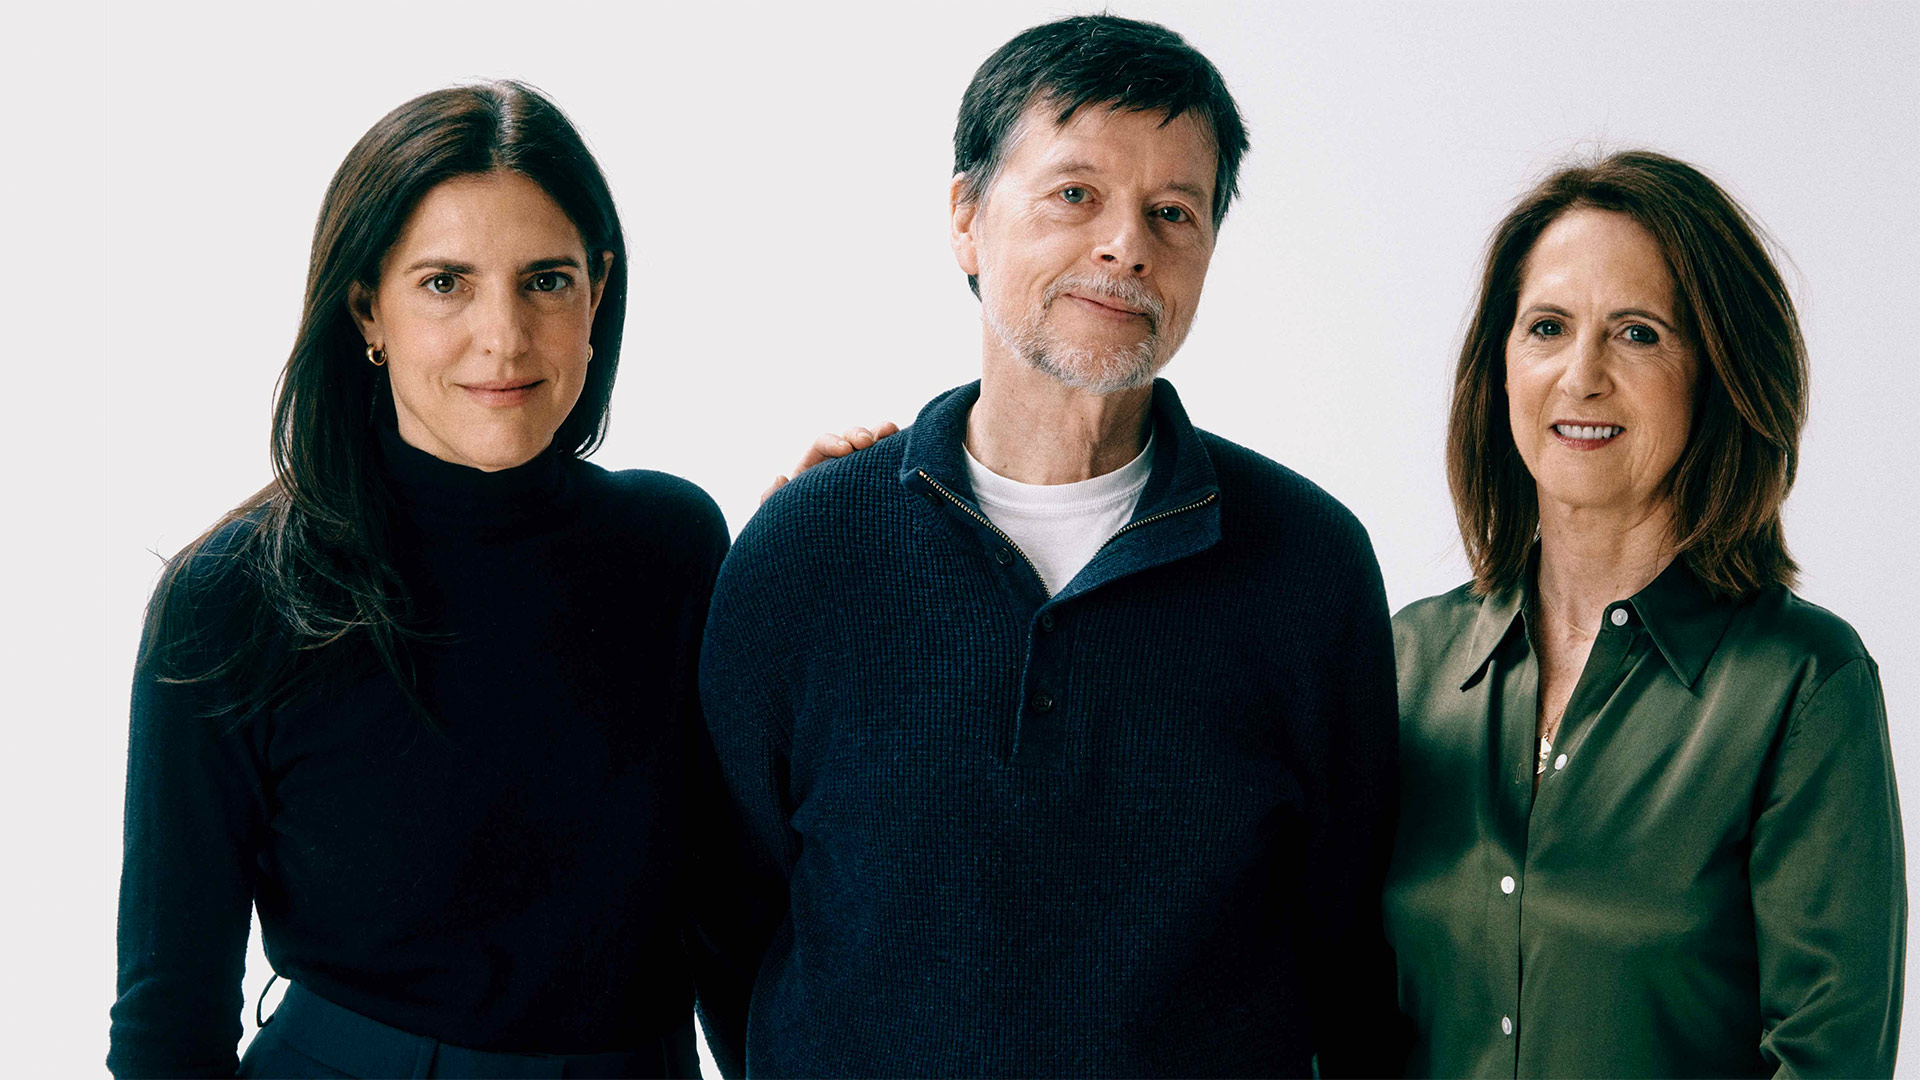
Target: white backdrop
782,172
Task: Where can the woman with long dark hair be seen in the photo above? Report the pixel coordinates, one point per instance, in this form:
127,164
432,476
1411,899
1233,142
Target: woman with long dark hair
427,701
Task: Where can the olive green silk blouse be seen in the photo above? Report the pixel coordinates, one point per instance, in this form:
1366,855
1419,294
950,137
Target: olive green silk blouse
1709,880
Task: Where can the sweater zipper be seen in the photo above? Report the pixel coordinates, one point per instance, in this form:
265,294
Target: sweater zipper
981,518
1161,516
1123,530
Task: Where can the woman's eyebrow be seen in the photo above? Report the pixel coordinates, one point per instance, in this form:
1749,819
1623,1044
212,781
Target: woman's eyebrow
1641,313
434,262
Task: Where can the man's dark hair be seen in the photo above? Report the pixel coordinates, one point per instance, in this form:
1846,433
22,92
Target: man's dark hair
1100,60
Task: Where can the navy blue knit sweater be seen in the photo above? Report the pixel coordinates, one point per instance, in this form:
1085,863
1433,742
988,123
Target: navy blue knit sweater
1137,827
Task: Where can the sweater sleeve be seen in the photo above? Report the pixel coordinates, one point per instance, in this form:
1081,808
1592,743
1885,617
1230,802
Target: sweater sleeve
750,726
721,895
194,822
1829,887
1359,1030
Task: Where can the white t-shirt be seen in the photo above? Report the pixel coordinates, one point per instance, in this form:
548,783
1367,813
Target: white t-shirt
1060,526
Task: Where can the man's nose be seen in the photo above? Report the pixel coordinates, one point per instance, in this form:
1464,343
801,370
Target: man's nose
1124,247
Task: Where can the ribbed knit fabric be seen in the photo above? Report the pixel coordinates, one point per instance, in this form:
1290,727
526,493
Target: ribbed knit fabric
1137,828
516,881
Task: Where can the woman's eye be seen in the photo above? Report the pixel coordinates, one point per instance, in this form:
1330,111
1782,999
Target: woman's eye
1171,213
1548,328
1642,335
442,283
549,281
1074,194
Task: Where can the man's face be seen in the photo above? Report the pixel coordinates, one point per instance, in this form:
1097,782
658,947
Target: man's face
1092,244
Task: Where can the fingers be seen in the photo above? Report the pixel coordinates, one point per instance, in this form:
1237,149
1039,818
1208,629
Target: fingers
824,448
830,446
778,483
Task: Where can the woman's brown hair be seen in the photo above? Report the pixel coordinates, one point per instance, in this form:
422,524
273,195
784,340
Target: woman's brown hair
1749,406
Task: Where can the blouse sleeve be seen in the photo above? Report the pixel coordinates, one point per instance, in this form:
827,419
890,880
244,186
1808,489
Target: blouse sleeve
194,821
1829,887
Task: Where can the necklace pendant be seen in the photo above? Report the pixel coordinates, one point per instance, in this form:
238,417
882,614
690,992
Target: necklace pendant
1546,751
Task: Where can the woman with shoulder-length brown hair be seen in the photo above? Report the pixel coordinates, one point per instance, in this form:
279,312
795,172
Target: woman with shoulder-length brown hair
1649,823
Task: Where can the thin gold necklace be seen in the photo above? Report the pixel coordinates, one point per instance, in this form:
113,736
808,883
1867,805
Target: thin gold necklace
1551,728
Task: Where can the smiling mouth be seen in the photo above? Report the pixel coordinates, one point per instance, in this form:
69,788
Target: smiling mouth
501,393
1114,308
1587,436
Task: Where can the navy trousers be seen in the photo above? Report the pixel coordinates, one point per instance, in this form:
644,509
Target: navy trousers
309,1036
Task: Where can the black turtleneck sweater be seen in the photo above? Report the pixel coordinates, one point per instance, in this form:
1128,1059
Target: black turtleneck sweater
514,881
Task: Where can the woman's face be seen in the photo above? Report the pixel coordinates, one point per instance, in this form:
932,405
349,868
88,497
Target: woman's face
484,310
1600,379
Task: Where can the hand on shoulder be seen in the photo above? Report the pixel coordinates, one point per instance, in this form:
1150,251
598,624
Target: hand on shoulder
829,446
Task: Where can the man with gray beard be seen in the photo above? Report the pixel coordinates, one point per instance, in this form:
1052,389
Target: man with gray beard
1062,733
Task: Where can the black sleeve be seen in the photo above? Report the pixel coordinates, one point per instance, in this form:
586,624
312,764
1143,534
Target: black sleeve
1359,1030
749,721
195,819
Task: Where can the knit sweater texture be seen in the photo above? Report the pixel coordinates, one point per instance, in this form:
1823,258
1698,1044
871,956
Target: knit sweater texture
516,879
1135,828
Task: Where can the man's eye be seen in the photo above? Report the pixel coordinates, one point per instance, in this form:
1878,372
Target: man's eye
1171,213
549,281
1640,334
442,283
1548,328
1074,194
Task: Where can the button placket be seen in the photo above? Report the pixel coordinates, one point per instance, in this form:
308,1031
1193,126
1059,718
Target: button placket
1045,735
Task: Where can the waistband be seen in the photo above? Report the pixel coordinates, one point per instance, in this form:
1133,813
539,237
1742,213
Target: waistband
343,1039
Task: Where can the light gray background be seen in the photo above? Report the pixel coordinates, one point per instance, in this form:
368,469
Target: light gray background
782,172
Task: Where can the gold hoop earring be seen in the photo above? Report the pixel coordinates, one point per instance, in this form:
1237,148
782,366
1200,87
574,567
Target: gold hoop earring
375,356
589,354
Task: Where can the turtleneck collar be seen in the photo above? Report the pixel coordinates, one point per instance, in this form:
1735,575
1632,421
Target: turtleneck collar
444,498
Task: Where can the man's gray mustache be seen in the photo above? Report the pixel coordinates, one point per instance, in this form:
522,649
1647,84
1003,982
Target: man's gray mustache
1129,293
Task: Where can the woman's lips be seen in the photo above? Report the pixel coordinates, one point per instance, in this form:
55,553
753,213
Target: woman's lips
500,394
1586,436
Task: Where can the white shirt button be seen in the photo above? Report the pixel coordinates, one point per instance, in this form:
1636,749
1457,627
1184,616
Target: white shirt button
1559,763
1506,885
1506,1025
1619,616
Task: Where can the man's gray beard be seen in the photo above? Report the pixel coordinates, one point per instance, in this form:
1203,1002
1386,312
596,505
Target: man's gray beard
1095,370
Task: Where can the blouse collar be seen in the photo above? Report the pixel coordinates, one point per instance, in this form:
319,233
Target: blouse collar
1685,621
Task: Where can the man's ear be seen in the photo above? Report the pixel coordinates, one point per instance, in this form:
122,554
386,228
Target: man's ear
963,212
365,309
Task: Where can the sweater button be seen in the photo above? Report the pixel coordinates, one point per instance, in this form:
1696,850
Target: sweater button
1004,557
1042,702
1046,621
